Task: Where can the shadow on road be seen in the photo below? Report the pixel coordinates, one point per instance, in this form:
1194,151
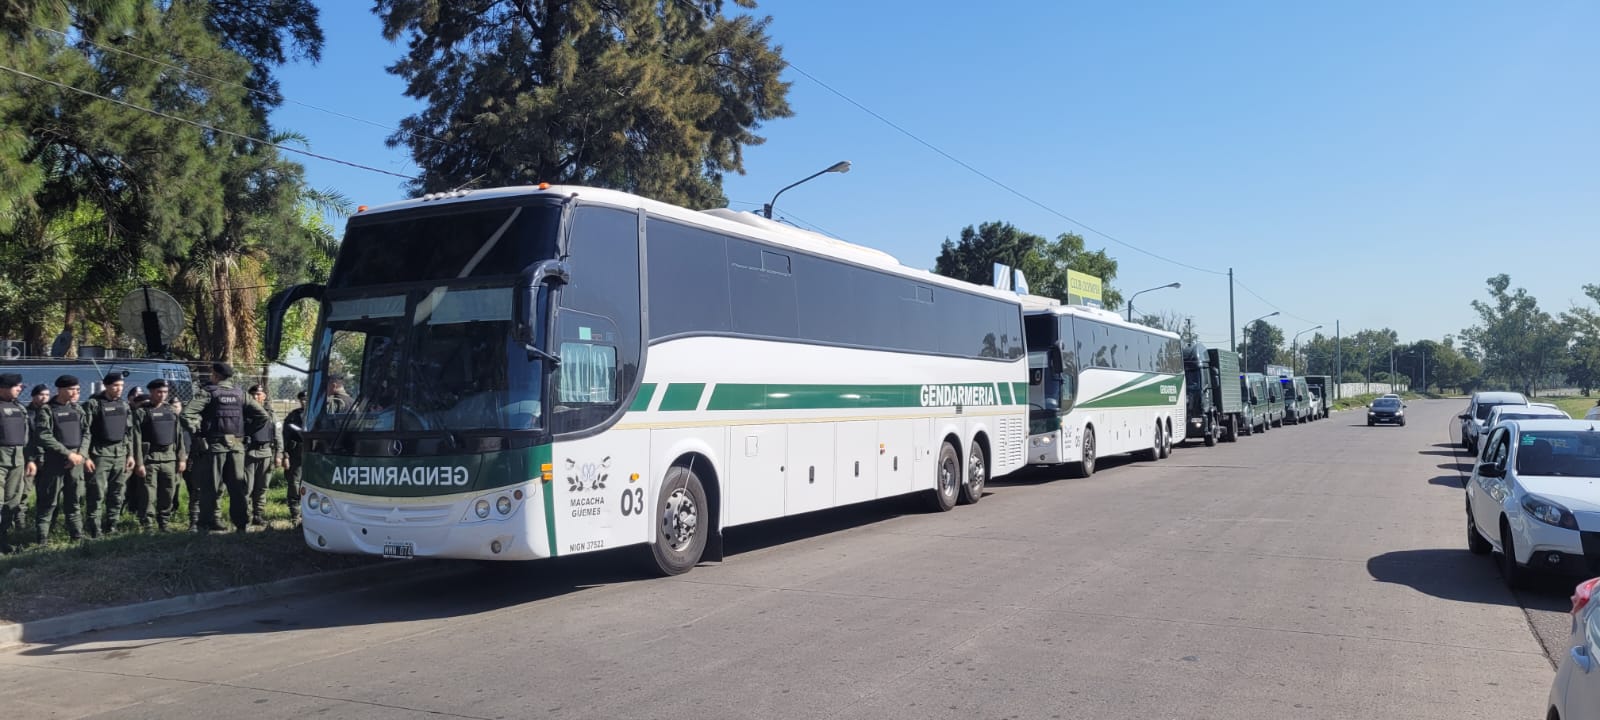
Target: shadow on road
1449,481
461,589
1459,575
1459,467
1040,475
1441,453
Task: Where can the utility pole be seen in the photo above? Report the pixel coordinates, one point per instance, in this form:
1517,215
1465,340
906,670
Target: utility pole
1338,356
1233,340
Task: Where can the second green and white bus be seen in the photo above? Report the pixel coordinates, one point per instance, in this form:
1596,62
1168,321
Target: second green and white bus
1099,386
544,371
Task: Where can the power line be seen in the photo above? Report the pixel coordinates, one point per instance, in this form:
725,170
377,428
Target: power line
201,125
1270,305
246,88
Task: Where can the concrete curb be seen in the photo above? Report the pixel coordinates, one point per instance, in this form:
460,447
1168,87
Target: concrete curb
44,629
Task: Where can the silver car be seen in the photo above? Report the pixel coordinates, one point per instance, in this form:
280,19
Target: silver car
1576,691
1472,420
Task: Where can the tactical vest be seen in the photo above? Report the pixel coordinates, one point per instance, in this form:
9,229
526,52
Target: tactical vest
224,415
13,425
111,423
262,435
68,423
161,427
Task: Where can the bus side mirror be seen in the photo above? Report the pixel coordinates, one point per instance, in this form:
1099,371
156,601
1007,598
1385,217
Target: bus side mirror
278,306
535,278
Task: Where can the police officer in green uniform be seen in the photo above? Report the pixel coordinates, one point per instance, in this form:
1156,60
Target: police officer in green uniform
14,460
293,425
111,448
261,457
160,456
61,430
218,416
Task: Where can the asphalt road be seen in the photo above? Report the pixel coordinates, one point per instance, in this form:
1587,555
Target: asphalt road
1312,572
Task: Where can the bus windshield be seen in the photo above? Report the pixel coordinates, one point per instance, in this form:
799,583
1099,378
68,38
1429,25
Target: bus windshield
456,368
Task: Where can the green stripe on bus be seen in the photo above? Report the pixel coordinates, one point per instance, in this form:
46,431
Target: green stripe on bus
1148,396
682,396
1142,378
731,396
540,457
1021,390
641,402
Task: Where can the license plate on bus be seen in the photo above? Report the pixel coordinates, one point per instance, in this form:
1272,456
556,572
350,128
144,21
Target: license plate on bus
399,551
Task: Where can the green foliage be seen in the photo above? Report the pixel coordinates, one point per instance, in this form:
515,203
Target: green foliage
97,197
972,258
1263,345
657,98
1583,356
1520,344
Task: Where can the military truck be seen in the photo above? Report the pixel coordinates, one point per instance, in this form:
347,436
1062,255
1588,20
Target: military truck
1296,400
1258,413
1323,388
1214,407
1273,399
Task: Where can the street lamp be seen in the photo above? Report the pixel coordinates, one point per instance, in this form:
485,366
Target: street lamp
843,166
1245,346
1294,349
1141,292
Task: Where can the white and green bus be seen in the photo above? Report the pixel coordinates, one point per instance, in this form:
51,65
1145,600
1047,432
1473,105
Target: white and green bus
1099,386
532,372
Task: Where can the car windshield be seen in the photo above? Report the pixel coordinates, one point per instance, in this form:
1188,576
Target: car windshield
1485,408
1561,453
1386,404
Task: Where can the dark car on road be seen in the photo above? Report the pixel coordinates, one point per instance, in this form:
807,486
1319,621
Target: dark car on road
1386,410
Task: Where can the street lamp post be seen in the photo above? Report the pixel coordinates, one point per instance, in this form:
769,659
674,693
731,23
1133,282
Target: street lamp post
1294,349
1245,346
843,166
1141,292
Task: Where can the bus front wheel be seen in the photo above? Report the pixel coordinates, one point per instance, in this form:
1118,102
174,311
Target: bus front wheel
1086,468
681,522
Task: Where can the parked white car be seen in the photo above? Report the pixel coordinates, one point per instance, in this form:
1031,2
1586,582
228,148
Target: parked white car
1533,498
1478,411
1502,413
1576,691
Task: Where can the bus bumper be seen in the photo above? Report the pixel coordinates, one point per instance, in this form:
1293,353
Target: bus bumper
423,527
1049,449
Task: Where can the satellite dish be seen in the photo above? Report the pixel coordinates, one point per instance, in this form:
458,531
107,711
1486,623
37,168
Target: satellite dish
153,317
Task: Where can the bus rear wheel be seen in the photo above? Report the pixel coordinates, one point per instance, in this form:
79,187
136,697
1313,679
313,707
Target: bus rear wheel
947,485
1212,431
681,523
977,475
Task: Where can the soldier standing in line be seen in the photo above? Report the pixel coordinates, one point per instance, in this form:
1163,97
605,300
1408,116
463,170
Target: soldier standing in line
111,448
15,463
189,468
293,425
217,417
61,429
160,456
261,457
40,403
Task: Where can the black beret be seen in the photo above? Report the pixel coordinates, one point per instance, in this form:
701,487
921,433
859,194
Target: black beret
156,383
41,387
10,379
66,381
222,369
115,376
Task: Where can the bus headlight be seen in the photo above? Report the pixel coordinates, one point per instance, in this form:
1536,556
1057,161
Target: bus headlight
326,506
1042,440
503,505
313,501
481,508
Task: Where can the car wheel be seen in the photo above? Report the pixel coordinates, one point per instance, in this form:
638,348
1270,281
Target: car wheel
1402,423
1211,433
1086,468
1515,575
1370,423
1475,542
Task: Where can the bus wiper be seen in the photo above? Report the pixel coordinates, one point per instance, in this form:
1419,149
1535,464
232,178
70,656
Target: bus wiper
534,352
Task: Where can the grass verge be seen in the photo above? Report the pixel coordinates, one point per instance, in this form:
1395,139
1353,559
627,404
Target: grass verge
1361,401
1574,406
62,577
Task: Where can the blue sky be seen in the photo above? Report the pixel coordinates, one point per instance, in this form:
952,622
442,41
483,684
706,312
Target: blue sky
1370,163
